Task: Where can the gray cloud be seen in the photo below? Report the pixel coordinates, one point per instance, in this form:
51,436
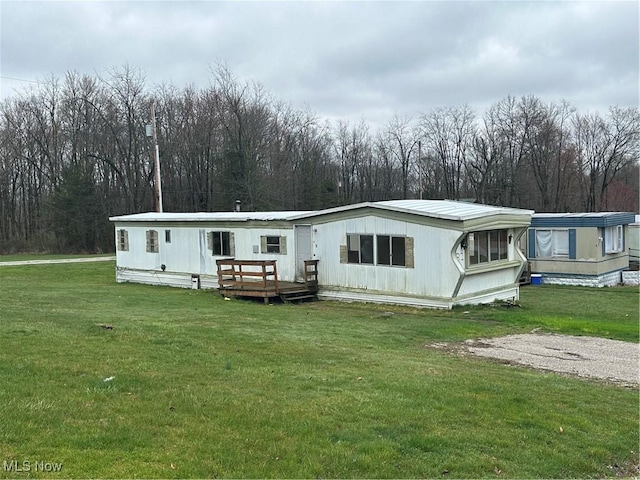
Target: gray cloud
349,60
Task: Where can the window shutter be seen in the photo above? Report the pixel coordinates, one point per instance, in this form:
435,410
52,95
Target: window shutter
531,243
622,229
343,254
122,240
210,241
263,244
283,245
604,241
148,240
232,245
572,243
408,252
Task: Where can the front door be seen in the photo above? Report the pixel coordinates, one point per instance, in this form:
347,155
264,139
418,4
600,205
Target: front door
304,249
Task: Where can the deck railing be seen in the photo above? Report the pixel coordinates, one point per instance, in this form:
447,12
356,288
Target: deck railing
247,274
311,274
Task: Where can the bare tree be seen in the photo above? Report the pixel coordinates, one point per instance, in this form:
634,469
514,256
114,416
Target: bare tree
448,135
604,147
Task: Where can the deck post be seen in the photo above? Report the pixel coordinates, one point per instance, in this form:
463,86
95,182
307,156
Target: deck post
275,277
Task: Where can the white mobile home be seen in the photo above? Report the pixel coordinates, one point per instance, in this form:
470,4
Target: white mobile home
417,252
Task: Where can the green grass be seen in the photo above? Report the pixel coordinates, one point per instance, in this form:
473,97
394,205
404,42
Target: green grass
204,387
46,256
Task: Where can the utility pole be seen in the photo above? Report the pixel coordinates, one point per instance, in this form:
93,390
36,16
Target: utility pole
151,132
420,167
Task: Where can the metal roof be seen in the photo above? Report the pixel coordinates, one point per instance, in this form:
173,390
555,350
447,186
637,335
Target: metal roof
206,216
443,209
586,219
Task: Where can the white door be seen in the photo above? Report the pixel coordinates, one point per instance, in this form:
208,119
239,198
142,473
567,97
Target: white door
304,249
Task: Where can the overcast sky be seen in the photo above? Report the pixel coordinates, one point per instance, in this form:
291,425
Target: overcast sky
342,60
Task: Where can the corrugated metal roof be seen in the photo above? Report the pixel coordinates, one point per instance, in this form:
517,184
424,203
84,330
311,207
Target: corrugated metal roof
206,216
450,209
444,209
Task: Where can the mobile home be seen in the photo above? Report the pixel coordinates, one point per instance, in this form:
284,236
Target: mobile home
588,249
433,253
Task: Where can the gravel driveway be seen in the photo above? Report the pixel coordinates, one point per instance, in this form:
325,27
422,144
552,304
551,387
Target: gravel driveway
611,360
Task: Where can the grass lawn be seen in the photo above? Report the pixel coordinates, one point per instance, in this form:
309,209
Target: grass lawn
204,387
46,256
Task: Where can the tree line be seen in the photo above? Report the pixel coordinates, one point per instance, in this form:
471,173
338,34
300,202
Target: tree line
74,151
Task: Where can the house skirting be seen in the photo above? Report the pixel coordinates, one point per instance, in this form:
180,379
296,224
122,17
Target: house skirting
631,277
608,279
170,279
510,292
186,280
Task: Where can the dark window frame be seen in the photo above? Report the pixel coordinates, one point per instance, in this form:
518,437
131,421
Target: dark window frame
221,243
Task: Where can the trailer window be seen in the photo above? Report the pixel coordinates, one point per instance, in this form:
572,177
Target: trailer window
487,246
152,241
391,250
273,244
221,243
123,240
552,243
613,239
360,249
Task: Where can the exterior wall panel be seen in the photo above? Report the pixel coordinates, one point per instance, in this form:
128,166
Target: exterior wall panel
433,274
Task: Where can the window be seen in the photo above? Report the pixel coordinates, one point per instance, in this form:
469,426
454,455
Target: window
391,250
273,244
152,241
487,246
123,241
360,249
613,239
221,243
388,250
167,236
552,243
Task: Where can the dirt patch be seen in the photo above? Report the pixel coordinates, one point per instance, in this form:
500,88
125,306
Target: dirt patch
594,357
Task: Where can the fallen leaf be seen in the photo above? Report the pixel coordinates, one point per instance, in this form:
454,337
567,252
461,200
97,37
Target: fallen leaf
173,466
561,430
497,470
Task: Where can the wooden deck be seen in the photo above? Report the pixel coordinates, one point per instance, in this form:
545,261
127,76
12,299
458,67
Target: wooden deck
258,278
